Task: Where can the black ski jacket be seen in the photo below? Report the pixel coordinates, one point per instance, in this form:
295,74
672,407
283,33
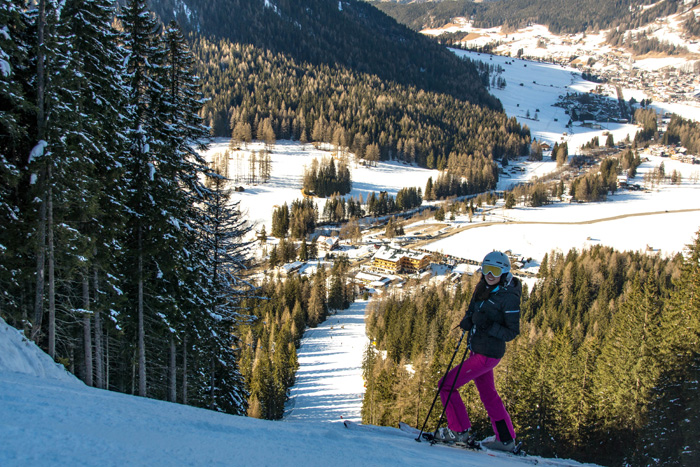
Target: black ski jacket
495,320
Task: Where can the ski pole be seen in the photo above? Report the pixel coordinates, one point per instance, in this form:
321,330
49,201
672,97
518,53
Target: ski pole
442,381
454,382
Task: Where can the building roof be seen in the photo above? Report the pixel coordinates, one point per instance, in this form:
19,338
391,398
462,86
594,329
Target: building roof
395,254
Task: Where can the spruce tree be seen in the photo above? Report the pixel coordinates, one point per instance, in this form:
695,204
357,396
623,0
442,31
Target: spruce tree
226,262
627,369
88,168
18,122
143,239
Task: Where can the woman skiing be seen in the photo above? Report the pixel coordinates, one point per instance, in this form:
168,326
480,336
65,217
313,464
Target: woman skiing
492,319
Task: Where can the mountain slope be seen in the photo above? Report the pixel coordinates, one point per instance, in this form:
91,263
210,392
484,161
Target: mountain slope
50,421
558,16
345,33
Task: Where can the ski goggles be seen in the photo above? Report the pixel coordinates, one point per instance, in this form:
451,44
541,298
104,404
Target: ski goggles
495,271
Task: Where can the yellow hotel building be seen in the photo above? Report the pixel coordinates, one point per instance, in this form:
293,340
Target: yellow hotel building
398,261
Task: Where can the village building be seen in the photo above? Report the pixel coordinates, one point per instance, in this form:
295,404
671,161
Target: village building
290,269
325,243
400,261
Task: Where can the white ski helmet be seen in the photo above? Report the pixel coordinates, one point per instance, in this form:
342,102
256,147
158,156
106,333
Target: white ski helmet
495,261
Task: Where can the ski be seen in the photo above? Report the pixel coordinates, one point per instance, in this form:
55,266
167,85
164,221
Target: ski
404,429
427,436
358,426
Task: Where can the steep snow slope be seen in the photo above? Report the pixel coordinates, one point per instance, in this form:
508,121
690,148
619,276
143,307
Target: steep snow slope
51,419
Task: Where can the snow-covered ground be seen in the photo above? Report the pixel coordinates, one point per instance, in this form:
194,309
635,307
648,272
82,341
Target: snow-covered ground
329,385
533,88
49,418
591,49
289,160
662,220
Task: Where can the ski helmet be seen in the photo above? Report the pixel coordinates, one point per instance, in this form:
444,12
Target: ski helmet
494,262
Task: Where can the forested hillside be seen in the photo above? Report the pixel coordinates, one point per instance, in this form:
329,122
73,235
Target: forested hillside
249,85
348,74
120,254
559,17
605,369
349,34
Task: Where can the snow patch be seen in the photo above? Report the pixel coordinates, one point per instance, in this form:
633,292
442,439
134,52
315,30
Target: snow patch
20,355
37,151
5,68
272,6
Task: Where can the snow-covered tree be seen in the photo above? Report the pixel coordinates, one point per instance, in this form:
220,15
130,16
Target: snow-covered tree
17,130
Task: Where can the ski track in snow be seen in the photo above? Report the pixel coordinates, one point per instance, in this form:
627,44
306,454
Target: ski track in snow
329,385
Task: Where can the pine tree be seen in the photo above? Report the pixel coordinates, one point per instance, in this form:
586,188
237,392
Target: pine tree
227,260
336,297
18,122
317,308
280,221
90,165
674,412
41,163
146,97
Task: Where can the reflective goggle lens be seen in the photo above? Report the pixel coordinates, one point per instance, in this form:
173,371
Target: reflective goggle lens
495,271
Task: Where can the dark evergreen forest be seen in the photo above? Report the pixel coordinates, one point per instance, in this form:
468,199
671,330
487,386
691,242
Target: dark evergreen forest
349,34
120,254
607,358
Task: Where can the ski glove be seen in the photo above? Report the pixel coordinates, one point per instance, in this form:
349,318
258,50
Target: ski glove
481,321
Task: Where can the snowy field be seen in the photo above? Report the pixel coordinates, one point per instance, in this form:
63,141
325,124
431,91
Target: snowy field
329,385
288,162
538,42
542,83
49,418
662,221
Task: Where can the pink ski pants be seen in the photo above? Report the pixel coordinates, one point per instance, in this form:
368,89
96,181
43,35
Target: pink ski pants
480,369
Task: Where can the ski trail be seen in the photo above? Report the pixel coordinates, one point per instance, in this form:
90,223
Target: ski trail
329,385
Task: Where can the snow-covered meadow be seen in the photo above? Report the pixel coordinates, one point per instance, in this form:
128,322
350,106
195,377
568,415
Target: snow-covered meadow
289,159
629,220
660,221
533,88
590,49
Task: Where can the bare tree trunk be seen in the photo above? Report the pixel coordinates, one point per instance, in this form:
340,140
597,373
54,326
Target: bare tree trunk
173,371
106,363
52,278
133,372
40,266
141,330
184,369
212,392
87,331
41,127
99,343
